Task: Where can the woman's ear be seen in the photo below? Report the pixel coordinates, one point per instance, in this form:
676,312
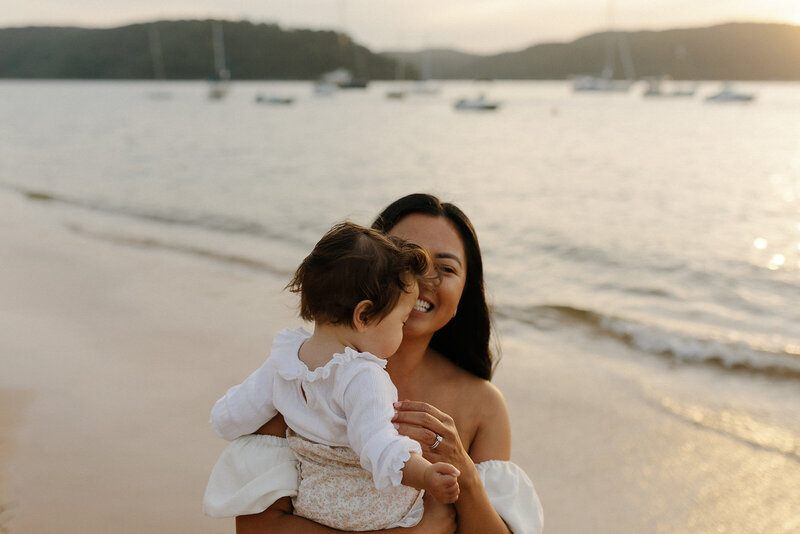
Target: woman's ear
361,315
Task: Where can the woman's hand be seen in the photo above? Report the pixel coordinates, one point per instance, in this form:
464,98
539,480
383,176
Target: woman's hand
424,423
492,441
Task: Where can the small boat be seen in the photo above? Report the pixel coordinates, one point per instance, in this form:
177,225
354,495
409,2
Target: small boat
323,88
344,79
727,94
396,95
425,87
477,104
273,99
355,83
602,84
679,90
606,82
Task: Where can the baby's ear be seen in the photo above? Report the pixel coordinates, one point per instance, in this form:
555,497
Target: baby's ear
361,315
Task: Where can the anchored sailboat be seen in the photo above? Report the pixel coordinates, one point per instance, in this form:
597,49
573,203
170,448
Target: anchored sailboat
159,73
606,82
219,83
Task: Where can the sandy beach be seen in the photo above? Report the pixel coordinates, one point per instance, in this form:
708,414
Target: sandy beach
112,356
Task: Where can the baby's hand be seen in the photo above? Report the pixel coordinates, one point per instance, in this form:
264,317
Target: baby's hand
441,481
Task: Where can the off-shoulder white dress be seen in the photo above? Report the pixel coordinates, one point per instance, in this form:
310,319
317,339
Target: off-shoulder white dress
256,470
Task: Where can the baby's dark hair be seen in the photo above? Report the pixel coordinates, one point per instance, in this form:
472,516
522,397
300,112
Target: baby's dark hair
352,263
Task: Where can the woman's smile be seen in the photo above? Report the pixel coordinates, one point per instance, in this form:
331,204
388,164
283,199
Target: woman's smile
423,306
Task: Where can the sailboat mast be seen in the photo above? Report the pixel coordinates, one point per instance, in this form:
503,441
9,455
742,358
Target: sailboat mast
608,65
156,54
625,56
219,50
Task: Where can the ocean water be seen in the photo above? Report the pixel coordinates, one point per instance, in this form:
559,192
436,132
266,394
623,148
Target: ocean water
671,225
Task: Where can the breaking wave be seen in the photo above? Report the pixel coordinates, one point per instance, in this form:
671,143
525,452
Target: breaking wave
775,359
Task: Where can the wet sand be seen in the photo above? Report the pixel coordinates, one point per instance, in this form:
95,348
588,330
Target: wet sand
112,356
120,354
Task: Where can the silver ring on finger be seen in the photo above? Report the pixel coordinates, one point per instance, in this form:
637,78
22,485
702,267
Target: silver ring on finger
436,443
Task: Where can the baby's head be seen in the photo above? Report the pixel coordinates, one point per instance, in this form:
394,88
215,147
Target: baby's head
359,278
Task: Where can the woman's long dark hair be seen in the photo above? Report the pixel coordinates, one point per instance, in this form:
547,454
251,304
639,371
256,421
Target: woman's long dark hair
465,339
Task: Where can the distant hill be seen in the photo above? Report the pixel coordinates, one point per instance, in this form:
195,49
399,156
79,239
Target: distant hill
438,63
740,51
737,51
253,51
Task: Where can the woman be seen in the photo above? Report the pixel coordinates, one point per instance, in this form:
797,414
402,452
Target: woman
444,365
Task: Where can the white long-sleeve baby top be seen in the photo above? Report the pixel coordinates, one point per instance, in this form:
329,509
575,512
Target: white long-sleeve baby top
345,403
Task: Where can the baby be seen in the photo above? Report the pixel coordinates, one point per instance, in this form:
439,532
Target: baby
358,286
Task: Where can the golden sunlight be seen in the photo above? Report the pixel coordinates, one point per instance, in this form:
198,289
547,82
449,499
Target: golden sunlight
777,261
793,13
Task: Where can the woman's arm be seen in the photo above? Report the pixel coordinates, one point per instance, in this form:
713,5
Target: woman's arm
278,518
492,441
437,519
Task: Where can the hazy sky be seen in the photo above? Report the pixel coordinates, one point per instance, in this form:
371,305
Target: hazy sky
479,26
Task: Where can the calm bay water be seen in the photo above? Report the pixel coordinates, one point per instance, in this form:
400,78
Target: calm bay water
671,225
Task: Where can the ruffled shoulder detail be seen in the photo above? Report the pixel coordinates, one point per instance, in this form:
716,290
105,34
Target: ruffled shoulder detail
512,495
289,338
289,367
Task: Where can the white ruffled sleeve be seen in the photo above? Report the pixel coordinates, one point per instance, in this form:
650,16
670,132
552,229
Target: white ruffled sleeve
244,408
367,403
512,495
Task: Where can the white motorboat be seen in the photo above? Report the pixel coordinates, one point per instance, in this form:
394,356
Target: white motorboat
727,94
274,99
477,104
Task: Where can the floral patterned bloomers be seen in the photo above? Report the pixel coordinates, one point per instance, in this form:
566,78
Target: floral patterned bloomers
336,491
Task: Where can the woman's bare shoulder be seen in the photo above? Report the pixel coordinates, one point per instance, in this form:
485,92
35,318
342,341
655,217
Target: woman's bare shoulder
472,390
492,440
480,411
486,398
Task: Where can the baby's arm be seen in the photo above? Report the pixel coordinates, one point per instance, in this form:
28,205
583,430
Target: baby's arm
439,479
245,407
392,459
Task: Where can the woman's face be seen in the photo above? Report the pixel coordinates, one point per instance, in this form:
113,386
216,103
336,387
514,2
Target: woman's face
437,305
